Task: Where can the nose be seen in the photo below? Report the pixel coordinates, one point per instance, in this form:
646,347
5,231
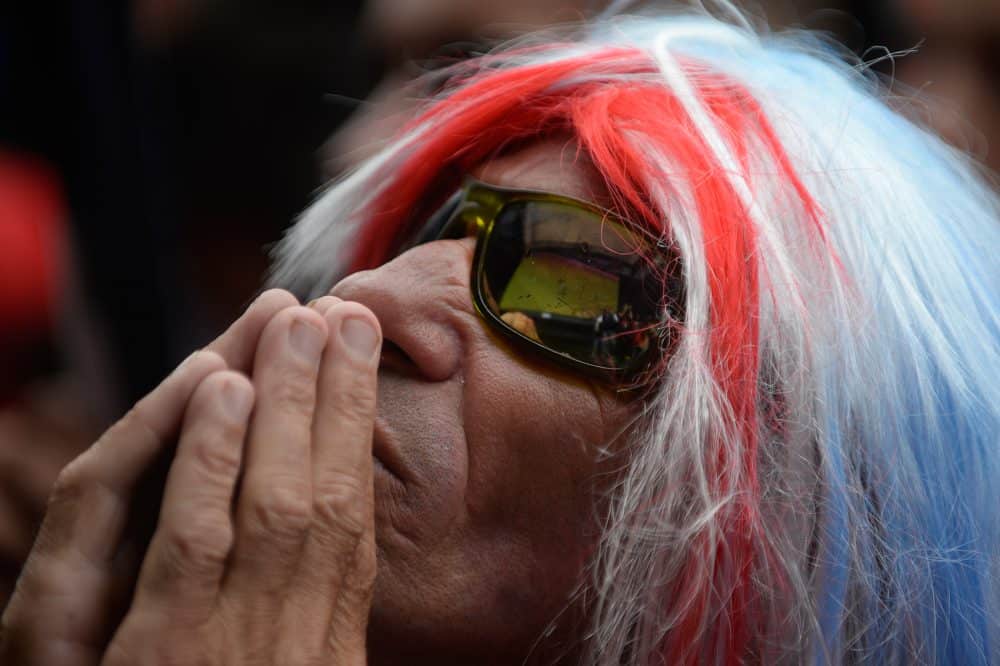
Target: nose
423,302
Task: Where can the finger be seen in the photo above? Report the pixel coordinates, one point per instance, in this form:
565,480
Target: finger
185,562
89,503
273,509
239,343
67,586
324,303
339,553
237,347
345,414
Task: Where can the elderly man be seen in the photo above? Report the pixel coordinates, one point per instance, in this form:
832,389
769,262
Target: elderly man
668,343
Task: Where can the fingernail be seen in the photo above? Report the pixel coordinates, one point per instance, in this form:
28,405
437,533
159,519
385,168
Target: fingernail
237,400
359,336
307,340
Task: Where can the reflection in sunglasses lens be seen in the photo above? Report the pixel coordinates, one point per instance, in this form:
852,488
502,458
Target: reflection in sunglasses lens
566,278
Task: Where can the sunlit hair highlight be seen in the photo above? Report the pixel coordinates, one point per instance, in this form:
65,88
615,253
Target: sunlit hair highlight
814,479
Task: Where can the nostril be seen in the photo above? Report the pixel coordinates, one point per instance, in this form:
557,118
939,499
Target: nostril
394,358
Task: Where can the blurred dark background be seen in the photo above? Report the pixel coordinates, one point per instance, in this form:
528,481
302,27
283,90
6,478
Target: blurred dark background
152,150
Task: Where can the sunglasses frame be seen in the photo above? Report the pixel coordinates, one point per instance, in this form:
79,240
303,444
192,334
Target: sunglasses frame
473,211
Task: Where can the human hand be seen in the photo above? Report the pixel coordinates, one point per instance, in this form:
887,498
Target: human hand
278,571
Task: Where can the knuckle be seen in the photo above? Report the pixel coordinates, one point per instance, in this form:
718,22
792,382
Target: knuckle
44,576
219,453
200,543
71,483
295,395
359,581
283,511
354,407
213,387
341,507
358,402
136,421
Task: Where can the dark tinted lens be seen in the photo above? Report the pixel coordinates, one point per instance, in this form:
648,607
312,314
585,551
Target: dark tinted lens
572,281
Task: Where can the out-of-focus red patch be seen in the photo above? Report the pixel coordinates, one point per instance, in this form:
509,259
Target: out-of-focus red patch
32,232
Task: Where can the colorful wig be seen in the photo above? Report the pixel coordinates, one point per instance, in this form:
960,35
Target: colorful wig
816,478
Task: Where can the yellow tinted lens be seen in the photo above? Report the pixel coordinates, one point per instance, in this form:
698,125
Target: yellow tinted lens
545,282
571,280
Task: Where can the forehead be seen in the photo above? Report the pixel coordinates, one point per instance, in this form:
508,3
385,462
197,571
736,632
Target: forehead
554,164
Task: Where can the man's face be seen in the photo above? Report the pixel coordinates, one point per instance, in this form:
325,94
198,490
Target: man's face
489,466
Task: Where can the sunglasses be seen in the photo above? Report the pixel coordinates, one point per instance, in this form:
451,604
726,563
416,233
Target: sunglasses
560,277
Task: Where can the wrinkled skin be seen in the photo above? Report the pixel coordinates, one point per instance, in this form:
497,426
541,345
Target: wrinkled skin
490,528
465,475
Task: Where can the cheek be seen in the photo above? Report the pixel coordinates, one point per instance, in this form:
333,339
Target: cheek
533,448
534,483
494,577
